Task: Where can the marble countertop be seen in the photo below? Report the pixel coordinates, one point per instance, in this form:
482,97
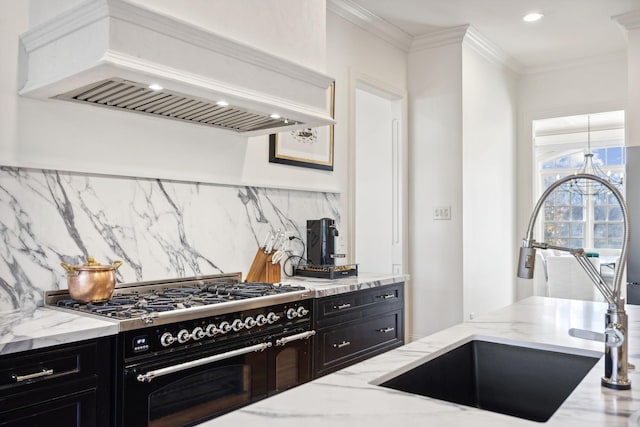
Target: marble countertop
350,398
44,327
326,287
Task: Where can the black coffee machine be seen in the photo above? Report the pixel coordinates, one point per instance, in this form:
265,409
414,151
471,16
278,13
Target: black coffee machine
321,245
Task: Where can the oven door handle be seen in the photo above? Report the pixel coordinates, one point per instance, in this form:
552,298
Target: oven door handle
145,378
300,336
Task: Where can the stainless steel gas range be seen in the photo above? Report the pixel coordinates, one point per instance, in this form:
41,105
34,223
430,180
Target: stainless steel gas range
190,349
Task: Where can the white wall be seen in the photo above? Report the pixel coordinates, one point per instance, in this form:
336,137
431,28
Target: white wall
435,179
597,84
632,125
488,182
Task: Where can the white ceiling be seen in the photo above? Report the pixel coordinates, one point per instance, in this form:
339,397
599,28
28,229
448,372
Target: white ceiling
570,29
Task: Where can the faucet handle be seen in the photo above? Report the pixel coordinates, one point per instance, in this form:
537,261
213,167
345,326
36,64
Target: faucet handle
613,337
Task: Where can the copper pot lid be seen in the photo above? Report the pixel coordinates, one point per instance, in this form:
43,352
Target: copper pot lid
91,265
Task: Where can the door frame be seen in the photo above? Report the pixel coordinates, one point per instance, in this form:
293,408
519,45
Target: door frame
359,80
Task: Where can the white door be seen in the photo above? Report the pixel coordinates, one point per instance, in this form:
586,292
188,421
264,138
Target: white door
379,183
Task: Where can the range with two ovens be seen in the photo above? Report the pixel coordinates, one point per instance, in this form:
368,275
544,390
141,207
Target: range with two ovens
194,348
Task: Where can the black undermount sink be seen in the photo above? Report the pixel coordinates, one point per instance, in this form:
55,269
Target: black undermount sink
519,381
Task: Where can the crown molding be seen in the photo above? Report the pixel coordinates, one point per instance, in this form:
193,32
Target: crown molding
620,56
445,37
490,51
371,23
629,20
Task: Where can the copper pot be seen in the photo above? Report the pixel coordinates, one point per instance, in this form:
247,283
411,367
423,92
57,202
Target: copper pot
92,281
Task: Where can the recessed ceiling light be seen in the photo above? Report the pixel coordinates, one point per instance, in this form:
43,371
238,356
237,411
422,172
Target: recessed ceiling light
532,17
275,116
155,86
222,103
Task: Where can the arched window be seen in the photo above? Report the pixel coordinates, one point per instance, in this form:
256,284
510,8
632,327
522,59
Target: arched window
571,219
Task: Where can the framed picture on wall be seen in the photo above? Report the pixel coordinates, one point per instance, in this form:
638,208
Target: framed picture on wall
307,147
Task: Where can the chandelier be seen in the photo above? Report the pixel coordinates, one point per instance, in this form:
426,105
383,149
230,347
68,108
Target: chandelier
590,166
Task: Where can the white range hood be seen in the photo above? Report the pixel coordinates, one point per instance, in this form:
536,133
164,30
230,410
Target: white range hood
107,53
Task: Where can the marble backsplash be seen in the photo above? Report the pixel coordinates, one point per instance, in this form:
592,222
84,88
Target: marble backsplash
159,229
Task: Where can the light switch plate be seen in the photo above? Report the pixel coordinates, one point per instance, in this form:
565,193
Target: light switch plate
442,212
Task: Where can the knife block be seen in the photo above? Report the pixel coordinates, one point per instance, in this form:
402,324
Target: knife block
263,270
272,271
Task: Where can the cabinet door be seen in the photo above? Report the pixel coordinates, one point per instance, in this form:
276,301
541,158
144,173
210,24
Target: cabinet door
73,410
289,366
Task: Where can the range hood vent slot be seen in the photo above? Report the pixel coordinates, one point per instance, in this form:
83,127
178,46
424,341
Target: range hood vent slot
136,97
108,52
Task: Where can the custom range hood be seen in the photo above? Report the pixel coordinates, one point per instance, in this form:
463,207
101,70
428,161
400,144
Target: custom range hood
115,54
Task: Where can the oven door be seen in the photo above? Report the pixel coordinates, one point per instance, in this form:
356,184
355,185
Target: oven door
186,390
290,361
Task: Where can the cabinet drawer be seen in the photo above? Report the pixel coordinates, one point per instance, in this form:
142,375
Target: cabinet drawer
75,410
356,304
341,346
21,372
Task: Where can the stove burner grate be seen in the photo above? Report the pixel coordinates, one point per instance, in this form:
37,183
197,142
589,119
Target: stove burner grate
139,303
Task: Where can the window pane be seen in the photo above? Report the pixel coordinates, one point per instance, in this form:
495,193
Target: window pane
599,243
576,199
615,213
577,229
563,162
577,214
563,198
562,229
615,231
549,165
600,230
577,243
615,243
600,156
599,213
600,199
549,213
614,156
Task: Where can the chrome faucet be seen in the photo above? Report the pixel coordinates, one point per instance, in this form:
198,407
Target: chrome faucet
616,323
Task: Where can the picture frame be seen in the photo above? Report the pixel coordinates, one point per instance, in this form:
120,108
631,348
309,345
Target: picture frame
307,147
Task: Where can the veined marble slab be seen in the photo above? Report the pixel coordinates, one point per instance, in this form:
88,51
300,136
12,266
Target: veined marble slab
350,397
160,229
47,327
326,287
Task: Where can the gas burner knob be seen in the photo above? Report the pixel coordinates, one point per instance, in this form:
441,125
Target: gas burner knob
272,317
292,314
237,325
224,327
167,339
249,322
211,330
261,320
183,336
197,333
302,311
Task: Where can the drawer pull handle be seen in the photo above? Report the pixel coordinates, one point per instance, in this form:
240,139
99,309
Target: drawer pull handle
43,373
341,306
387,296
342,344
385,330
